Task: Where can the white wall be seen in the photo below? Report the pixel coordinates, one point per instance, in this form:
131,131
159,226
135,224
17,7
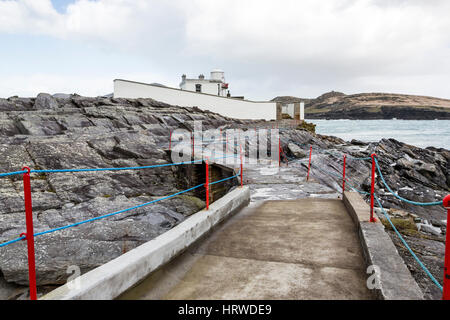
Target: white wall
233,108
207,87
302,111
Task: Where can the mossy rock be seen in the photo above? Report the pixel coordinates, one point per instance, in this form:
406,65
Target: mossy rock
199,203
406,226
311,127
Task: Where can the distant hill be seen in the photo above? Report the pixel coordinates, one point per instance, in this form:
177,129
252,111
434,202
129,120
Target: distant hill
337,105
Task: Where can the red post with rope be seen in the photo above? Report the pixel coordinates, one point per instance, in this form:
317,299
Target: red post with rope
207,183
372,189
30,233
309,165
343,176
242,168
446,291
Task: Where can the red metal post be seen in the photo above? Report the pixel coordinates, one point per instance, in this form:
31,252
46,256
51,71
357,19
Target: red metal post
446,292
343,176
242,170
372,189
207,184
309,165
30,233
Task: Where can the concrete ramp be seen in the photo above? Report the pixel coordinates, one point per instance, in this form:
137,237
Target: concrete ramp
292,249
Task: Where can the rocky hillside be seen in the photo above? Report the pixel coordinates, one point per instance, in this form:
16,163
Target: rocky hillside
78,132
336,105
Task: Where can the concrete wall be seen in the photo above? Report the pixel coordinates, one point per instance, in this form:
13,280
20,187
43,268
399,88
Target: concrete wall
395,280
115,277
229,107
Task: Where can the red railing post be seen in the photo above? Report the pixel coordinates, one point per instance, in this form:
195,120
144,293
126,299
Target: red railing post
343,176
30,233
446,291
372,189
309,165
207,184
242,168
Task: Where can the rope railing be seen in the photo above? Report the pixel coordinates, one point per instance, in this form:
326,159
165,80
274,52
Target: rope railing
374,196
102,217
111,169
424,268
340,175
436,203
30,234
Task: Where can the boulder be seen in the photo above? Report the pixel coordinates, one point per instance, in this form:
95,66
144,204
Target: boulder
297,151
45,101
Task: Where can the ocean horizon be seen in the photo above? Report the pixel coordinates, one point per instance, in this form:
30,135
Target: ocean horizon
420,133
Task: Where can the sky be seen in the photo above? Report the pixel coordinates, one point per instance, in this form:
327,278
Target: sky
266,48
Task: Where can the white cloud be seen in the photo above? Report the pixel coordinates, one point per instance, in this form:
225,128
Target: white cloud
284,45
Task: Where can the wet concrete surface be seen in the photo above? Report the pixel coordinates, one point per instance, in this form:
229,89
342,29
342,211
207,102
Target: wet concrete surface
277,248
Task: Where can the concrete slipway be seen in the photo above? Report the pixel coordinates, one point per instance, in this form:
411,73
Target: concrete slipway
297,240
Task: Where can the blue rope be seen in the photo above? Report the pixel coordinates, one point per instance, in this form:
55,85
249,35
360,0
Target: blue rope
229,178
114,213
12,241
117,212
407,246
12,173
114,169
403,199
101,217
355,189
109,169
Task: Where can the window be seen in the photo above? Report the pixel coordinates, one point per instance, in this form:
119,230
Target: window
198,88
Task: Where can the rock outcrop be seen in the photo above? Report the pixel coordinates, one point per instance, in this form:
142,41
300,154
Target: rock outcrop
79,132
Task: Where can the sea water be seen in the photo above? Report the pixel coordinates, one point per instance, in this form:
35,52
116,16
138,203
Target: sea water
420,133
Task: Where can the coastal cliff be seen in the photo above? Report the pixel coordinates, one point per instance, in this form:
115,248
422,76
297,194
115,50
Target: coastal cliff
79,132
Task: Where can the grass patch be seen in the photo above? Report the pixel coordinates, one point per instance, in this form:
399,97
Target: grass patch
311,127
405,226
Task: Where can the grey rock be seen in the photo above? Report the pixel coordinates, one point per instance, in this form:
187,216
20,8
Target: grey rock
79,132
297,151
45,101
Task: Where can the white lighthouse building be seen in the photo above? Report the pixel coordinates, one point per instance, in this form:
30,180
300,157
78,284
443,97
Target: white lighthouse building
216,85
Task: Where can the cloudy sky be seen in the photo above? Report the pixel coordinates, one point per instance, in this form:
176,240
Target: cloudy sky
266,48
